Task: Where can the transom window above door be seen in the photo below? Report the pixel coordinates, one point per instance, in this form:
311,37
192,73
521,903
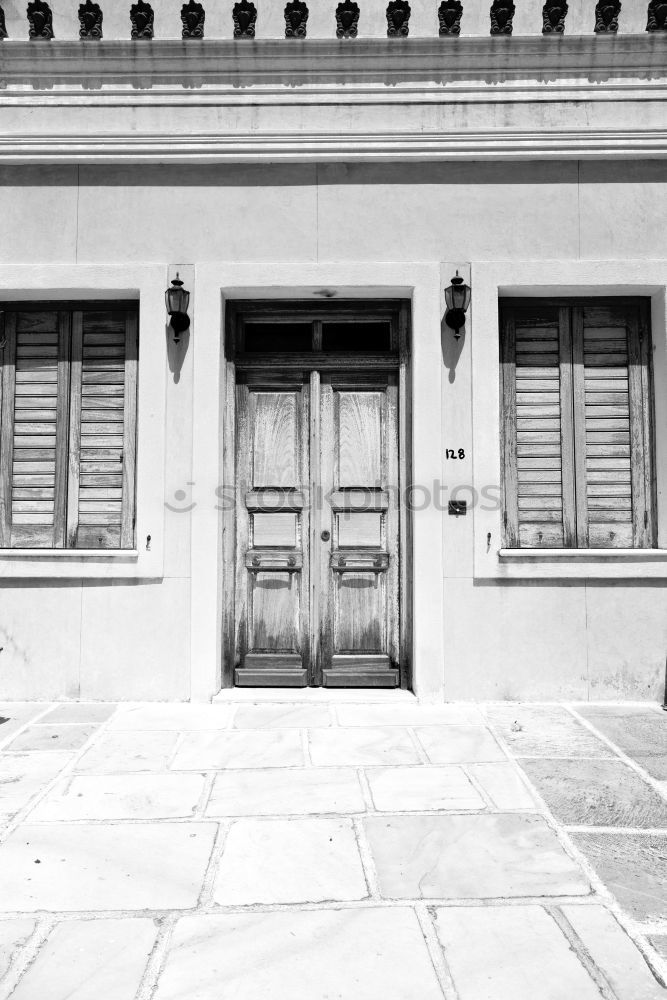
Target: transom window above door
576,423
68,405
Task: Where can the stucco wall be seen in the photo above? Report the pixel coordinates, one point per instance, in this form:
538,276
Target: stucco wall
502,639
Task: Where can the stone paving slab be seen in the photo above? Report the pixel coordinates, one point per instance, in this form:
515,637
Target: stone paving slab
545,731
290,861
459,744
503,785
470,856
281,716
633,867
611,949
422,789
52,738
361,747
90,960
114,753
80,711
597,793
104,867
256,748
184,717
273,791
126,796
511,953
328,954
409,715
23,775
16,714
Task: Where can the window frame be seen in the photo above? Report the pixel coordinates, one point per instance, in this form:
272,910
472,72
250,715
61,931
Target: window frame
569,321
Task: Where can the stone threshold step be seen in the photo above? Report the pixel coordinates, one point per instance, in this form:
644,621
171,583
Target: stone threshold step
336,696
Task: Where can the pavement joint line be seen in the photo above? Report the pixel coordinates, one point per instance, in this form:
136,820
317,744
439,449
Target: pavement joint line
205,797
479,788
362,778
305,747
25,957
366,856
215,857
581,951
642,772
436,951
157,958
23,813
180,738
629,831
19,732
421,752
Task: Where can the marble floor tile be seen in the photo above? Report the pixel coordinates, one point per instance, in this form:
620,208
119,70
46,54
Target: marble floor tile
104,867
459,744
633,868
403,789
290,861
185,717
273,791
79,711
281,716
655,765
57,737
133,751
545,731
511,953
409,715
23,775
363,954
611,949
635,730
89,960
468,857
503,785
13,935
252,748
361,747
121,796
16,714
596,793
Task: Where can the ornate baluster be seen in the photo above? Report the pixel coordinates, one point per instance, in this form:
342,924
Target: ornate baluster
553,17
347,19
398,18
141,17
90,19
40,20
502,15
657,16
296,19
449,17
245,17
606,15
193,16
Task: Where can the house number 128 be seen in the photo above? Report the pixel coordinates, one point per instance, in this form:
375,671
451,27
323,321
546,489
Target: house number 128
450,453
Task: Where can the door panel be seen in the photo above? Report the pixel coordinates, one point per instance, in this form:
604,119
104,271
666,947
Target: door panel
272,594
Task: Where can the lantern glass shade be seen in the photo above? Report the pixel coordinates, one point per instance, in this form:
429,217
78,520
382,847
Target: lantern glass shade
177,297
457,295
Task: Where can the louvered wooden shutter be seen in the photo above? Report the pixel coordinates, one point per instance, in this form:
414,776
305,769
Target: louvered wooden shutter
612,416
33,431
101,487
68,428
537,428
577,435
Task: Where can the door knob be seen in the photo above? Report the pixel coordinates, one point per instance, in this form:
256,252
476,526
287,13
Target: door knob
325,536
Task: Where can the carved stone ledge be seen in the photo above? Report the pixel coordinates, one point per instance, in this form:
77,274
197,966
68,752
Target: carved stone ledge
398,18
40,20
554,13
244,15
296,19
502,15
449,17
90,19
193,16
347,19
141,19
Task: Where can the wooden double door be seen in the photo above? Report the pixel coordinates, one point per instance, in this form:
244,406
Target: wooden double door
318,522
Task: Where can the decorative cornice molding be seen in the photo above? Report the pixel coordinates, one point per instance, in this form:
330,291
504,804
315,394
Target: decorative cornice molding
492,60
332,147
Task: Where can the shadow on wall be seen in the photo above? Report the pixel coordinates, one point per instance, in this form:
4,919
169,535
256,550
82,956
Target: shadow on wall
451,348
176,351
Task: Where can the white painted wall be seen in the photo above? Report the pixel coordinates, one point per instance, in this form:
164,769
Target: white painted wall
367,225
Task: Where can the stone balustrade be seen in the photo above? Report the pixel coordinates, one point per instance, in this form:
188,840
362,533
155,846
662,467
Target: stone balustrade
299,19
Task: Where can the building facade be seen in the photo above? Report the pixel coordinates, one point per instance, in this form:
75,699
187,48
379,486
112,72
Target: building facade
320,481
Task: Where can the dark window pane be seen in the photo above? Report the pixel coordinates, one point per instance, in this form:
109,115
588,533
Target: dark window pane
355,337
271,338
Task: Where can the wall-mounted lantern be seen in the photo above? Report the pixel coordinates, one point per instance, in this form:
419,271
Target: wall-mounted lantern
457,297
177,299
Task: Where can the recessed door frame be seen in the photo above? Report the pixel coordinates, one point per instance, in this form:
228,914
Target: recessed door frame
366,309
